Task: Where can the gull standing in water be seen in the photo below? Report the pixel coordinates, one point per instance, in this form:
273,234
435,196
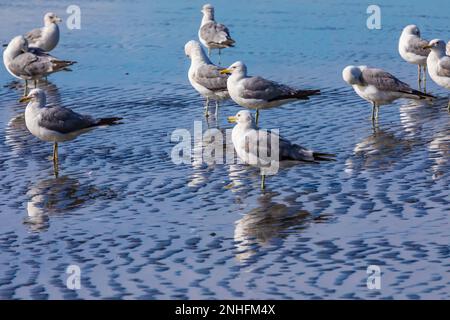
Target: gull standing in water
25,64
213,35
439,64
47,37
253,145
411,48
379,87
259,93
205,77
57,124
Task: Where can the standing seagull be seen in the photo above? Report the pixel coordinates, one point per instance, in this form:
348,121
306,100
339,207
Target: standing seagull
47,37
379,87
253,146
411,49
439,64
25,64
259,93
57,124
205,77
213,35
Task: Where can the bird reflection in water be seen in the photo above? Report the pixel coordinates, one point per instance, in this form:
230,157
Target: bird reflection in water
379,150
56,196
439,149
269,224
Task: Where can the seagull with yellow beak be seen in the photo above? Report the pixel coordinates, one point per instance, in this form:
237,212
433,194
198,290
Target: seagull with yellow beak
259,93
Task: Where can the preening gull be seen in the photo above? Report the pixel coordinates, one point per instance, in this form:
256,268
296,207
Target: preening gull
379,87
47,37
439,64
213,35
57,124
31,64
254,146
205,77
259,93
411,48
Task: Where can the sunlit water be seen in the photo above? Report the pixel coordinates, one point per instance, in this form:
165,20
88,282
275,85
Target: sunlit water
140,226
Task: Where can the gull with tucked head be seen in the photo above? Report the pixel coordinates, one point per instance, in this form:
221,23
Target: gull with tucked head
25,64
205,77
439,64
379,87
57,124
213,35
411,49
252,145
259,93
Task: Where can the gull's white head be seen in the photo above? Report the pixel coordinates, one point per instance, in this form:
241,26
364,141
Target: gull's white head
436,45
50,18
192,49
243,117
208,10
411,29
238,68
35,95
16,46
352,75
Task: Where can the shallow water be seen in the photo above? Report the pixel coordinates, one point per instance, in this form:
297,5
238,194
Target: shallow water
140,226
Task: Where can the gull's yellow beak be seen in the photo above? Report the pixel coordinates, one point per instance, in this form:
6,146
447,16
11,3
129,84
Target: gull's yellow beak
225,71
427,47
24,99
232,119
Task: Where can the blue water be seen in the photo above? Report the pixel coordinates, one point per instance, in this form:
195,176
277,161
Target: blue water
141,227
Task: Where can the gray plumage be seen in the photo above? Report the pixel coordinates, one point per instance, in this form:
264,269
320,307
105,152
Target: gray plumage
216,35
209,76
443,67
260,88
64,120
34,35
416,45
36,64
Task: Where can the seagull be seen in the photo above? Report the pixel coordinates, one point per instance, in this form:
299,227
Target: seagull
259,93
205,77
26,64
411,48
47,37
379,87
439,64
213,35
253,145
57,124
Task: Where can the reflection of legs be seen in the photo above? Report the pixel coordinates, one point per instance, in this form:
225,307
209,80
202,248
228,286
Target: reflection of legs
219,57
263,182
55,158
209,52
35,83
374,107
217,109
206,107
257,116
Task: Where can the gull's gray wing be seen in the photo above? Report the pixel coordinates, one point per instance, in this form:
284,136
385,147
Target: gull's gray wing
443,69
286,151
29,64
210,77
34,35
383,80
216,33
260,88
416,44
64,120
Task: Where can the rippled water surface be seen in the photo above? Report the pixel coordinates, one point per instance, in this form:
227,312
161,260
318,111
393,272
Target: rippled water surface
140,226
